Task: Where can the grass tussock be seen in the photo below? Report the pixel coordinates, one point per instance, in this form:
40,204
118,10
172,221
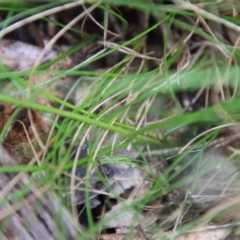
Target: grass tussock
119,120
